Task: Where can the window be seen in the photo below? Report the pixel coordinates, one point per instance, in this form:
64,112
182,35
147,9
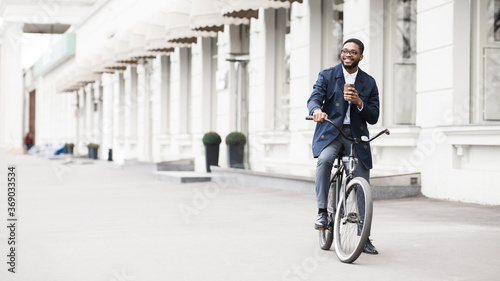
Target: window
165,94
332,26
496,24
400,51
282,57
405,70
485,100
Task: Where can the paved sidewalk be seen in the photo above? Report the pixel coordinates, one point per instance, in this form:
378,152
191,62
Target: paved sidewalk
103,222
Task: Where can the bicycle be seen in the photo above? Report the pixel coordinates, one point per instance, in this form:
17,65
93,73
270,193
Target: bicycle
350,204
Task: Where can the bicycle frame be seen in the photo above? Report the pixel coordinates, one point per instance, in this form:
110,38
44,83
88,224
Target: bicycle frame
348,163
343,170
339,177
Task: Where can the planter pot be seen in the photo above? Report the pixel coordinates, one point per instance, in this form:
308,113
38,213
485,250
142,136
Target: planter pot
211,155
93,153
235,155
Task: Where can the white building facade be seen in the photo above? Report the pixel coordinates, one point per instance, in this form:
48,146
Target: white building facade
149,78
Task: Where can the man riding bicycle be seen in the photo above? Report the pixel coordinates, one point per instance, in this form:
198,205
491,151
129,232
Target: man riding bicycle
352,106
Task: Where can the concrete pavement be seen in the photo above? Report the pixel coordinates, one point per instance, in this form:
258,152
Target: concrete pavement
103,222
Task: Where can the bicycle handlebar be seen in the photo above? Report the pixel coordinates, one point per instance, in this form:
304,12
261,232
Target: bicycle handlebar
355,140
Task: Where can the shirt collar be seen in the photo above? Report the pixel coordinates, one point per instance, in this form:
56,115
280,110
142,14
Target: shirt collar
353,75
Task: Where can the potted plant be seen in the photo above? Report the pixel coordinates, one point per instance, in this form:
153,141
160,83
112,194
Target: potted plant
68,148
93,148
211,140
235,147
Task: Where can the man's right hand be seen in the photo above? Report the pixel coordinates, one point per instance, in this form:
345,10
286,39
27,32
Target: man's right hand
319,116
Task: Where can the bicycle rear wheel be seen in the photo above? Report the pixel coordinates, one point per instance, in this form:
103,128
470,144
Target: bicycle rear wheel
326,235
352,223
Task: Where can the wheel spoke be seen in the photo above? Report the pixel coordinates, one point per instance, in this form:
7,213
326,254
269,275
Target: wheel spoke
349,227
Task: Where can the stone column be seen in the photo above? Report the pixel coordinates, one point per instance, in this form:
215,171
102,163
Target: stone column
208,97
106,87
160,99
89,114
98,118
144,140
269,56
156,96
117,90
131,125
185,90
80,146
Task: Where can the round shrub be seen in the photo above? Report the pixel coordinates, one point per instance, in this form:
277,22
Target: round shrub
93,145
236,138
211,138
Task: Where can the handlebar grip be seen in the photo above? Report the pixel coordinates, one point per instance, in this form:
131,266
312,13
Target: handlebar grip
309,118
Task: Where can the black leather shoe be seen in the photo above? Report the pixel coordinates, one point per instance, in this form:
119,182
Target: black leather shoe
321,221
369,248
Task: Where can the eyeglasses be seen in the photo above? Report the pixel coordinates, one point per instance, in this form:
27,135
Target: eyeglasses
351,52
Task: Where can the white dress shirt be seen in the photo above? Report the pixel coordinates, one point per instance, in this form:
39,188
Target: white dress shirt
349,79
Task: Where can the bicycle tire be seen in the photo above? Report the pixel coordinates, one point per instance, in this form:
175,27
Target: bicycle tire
351,232
326,235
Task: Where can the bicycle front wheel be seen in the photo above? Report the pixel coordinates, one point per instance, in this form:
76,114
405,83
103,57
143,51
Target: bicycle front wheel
353,220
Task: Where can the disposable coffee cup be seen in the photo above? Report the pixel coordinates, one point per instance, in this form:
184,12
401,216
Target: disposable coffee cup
346,86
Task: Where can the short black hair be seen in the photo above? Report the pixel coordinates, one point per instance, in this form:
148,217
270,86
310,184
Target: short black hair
357,42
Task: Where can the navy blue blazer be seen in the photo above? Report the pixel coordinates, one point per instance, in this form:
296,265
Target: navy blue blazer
328,95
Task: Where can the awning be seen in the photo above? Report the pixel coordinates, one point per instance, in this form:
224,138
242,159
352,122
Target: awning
156,33
291,1
97,64
63,83
79,75
178,25
121,42
70,88
137,43
67,82
108,58
84,75
206,15
84,68
249,8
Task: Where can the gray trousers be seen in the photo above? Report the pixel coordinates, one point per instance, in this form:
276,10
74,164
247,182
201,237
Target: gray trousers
325,164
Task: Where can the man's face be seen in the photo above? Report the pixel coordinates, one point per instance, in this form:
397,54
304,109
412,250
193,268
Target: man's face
350,55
